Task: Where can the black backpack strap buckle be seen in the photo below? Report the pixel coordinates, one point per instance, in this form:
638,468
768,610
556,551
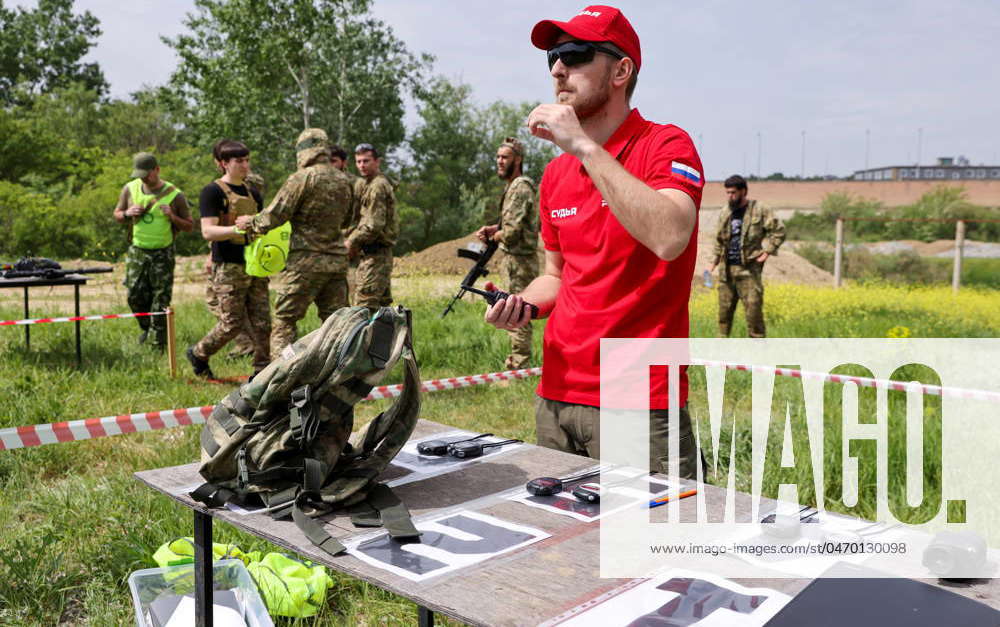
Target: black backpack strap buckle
302,418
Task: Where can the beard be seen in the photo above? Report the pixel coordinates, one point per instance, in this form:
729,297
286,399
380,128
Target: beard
588,106
507,172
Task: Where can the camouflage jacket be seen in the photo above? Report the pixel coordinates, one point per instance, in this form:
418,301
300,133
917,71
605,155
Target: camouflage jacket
358,184
378,224
316,199
762,232
518,232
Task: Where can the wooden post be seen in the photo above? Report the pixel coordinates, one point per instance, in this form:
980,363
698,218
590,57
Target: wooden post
838,253
956,275
171,343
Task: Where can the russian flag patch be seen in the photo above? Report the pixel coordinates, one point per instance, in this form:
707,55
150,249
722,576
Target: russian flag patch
686,171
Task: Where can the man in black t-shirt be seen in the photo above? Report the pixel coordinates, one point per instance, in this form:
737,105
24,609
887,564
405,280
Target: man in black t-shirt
242,300
747,234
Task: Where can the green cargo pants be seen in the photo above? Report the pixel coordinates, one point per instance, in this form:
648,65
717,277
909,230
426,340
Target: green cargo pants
576,429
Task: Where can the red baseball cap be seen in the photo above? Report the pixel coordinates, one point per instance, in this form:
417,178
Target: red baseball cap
595,23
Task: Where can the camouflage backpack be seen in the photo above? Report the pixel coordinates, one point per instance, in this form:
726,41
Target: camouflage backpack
284,439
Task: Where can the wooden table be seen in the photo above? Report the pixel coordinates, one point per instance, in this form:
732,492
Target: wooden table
525,586
76,280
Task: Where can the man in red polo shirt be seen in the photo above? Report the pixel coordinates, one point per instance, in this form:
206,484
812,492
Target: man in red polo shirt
619,223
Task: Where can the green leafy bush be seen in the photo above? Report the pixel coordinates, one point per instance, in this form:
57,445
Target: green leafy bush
941,203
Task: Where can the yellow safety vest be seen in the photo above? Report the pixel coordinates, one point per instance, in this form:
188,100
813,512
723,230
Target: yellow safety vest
152,229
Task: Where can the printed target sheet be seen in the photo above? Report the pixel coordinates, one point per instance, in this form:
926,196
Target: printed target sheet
619,488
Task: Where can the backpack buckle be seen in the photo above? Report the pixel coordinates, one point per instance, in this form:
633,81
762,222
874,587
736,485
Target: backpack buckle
242,472
302,421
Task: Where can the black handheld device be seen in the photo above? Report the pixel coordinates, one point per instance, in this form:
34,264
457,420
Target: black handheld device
495,295
440,447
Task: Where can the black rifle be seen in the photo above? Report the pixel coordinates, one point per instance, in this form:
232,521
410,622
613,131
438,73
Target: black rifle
42,268
478,270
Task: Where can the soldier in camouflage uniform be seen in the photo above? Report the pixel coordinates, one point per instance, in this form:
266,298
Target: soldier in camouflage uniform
243,344
747,234
155,210
241,299
378,227
316,199
517,233
338,157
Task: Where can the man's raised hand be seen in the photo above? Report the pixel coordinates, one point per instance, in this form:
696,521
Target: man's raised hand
558,124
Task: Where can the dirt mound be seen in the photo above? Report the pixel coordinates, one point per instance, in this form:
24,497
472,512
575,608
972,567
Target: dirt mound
443,259
786,267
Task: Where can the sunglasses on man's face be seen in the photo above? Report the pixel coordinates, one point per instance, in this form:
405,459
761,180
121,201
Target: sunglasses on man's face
578,53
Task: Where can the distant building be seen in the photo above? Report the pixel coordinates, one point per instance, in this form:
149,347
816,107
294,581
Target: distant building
947,169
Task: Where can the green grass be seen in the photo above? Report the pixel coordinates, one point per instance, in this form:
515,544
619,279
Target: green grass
77,524
976,271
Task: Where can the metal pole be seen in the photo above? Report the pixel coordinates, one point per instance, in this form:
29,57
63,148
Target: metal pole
76,298
425,617
956,275
803,171
838,253
758,153
27,327
920,142
203,569
868,145
171,343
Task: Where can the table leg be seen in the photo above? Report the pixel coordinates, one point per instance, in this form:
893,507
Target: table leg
202,569
27,327
425,617
76,294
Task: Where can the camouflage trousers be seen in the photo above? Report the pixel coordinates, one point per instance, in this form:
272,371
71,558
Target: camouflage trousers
518,272
576,429
301,288
741,283
242,305
243,344
149,279
373,287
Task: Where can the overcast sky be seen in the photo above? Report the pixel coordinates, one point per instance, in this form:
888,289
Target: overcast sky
722,70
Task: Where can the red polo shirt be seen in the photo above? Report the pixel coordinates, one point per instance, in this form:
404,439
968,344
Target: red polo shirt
613,286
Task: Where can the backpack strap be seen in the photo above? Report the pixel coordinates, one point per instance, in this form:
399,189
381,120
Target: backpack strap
212,495
395,517
312,529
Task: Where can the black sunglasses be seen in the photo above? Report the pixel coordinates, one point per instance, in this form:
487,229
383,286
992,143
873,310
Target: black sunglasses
577,53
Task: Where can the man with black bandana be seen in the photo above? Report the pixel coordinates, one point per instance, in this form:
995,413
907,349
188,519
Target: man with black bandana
747,234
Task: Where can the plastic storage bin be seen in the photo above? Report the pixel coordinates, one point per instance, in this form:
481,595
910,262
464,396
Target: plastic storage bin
164,597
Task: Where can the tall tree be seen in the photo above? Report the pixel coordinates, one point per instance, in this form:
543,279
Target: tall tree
41,50
262,70
447,150
452,179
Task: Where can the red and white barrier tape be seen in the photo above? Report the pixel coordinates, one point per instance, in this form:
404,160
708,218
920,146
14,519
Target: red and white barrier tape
901,386
79,318
438,385
37,435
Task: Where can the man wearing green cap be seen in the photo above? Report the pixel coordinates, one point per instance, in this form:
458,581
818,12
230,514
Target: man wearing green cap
317,200
155,210
517,234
